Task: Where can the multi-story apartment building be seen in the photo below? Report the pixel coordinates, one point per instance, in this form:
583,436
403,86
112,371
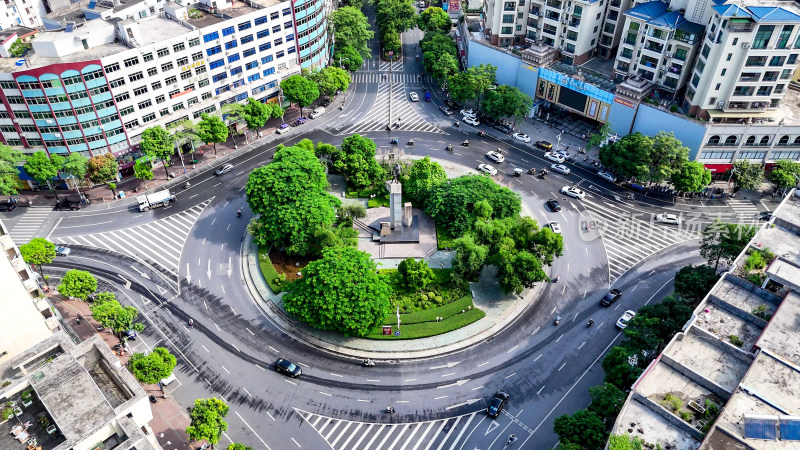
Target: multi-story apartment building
25,13
658,45
505,22
103,71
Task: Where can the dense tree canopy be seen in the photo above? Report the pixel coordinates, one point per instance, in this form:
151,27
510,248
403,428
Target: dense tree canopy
667,156
348,58
628,156
670,315
722,242
340,291
434,18
9,174
38,251
207,420
77,283
103,168
423,177
746,175
622,370
153,367
108,311
607,400
290,198
212,130
157,143
692,283
397,15
414,275
583,428
351,28
693,176
452,204
438,43
330,80
300,90
784,174
469,259
472,84
43,168
356,161
76,166
506,101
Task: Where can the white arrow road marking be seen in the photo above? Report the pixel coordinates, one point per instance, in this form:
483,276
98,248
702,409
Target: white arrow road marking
466,403
230,268
188,275
446,366
144,300
457,383
208,272
492,426
161,290
141,274
127,282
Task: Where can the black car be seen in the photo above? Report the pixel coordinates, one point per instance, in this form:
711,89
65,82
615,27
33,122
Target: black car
288,368
452,105
612,296
7,206
67,205
553,205
325,101
496,404
504,128
764,215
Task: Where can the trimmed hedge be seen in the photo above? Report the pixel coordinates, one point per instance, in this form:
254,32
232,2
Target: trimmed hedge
425,329
430,315
268,270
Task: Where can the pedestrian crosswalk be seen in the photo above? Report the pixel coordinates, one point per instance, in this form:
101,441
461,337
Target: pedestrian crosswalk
29,224
629,237
392,96
159,242
396,66
744,209
431,435
379,77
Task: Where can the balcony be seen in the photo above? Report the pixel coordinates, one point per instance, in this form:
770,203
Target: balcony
533,13
615,3
675,69
549,31
554,4
552,15
629,41
741,27
749,79
575,23
653,47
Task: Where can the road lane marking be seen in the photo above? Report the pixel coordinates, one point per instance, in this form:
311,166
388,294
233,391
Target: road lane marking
295,442
509,376
336,375
248,330
271,347
439,398
512,349
483,363
540,390
290,381
364,401
582,344
248,392
204,347
562,366
226,370
537,358
476,388
536,330
559,338
325,393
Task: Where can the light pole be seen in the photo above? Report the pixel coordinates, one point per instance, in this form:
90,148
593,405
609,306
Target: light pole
731,175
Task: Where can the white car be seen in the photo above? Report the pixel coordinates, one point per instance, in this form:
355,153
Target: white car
486,168
565,154
471,120
555,227
496,156
560,168
414,97
607,176
522,137
63,251
622,323
671,219
554,157
469,113
573,192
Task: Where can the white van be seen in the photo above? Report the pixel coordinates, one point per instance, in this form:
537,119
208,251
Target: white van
317,112
168,380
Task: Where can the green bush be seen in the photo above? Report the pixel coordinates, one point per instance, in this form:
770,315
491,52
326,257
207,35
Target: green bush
430,315
755,261
425,329
736,340
269,272
761,312
442,286
756,278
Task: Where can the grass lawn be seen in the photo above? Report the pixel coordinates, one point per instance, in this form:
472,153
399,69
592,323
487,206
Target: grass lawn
380,199
277,262
423,323
444,289
268,270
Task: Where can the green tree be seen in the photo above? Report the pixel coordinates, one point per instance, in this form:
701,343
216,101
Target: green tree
667,156
628,156
424,176
398,15
276,110
506,101
9,174
691,177
330,80
442,66
469,258
289,196
607,401
724,241
112,315
356,162
38,251
342,235
438,43
212,130
340,291
548,245
351,29
434,19
390,39
238,446
517,271
624,442
348,58
584,428
300,90
348,212
43,168
746,175
451,204
672,314
208,420
472,83
153,367
254,113
692,283
143,171
622,370
598,138
784,173
642,333
415,275
157,143
77,283
76,166
102,168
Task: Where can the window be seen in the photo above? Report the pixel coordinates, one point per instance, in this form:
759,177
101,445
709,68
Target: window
214,50
251,65
203,83
186,75
286,11
695,80
199,69
260,20
122,97
278,41
233,57
728,58
762,37
171,80
217,63
505,30
244,25
236,70
163,52
147,57
152,72
719,85
167,66
160,99
227,31
713,140
164,112
764,141
706,50
276,29
269,71
290,50
197,56
156,85
182,61
274,15
125,111
194,42
262,33
118,82
265,46
210,36
508,18
777,61
279,54
206,95
786,74
149,118
139,91
222,89
246,39
131,61
289,37
266,59
756,61
179,47
700,66
135,76
177,106
722,74
764,90
231,44
783,38
192,101
145,104
249,52
8,85
219,77
253,77
132,123
287,25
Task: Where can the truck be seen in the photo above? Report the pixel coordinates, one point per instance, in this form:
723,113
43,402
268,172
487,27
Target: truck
154,200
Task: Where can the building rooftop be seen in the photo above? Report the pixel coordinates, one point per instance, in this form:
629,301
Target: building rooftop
639,420
157,29
647,11
708,357
781,335
17,30
593,71
760,11
238,9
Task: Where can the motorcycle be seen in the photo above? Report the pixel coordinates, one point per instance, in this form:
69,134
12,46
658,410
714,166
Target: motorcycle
394,141
481,133
239,212
590,323
154,399
411,142
558,320
465,143
457,124
532,171
449,147
368,363
630,196
389,409
186,185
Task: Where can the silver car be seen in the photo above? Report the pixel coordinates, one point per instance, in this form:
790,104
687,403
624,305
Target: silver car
560,168
486,168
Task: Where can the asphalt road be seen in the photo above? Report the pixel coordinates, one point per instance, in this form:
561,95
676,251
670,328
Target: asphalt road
183,262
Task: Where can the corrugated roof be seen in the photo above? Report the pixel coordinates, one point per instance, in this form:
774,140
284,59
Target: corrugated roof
731,11
669,20
772,14
647,11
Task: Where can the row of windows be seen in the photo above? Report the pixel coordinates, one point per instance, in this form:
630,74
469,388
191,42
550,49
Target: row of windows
751,140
